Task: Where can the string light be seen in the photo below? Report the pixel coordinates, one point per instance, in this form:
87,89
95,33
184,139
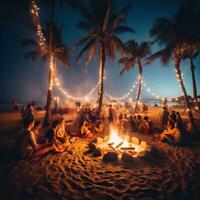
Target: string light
34,10
123,97
52,72
68,96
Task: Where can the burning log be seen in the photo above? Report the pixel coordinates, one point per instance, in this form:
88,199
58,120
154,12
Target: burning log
127,148
110,145
119,145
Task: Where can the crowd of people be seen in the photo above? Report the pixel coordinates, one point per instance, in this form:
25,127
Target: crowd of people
32,143
174,127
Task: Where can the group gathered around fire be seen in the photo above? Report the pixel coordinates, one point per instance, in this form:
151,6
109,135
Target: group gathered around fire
33,142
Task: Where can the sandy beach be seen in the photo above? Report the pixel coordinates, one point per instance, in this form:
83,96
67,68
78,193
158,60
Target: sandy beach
170,173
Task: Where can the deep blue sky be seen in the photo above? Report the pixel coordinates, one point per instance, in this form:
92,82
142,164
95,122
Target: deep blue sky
26,80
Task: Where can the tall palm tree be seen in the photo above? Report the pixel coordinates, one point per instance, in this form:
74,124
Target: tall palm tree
103,25
167,33
136,53
188,16
55,50
191,55
178,35
52,4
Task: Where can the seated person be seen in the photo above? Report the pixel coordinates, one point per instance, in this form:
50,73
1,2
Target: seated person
99,128
27,144
49,136
53,135
37,130
86,129
61,134
146,126
172,134
138,121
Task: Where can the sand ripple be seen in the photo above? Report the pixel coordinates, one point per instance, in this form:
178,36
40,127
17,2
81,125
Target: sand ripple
73,175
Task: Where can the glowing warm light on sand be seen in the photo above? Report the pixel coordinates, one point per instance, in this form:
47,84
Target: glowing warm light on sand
122,144
115,139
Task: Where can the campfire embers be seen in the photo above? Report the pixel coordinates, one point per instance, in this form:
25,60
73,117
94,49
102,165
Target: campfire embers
122,145
119,147
118,143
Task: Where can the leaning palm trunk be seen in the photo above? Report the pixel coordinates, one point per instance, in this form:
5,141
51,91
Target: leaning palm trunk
47,118
192,67
177,61
139,86
101,76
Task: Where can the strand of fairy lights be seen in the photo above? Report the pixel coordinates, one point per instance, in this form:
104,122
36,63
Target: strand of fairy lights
68,96
52,72
123,97
178,76
34,10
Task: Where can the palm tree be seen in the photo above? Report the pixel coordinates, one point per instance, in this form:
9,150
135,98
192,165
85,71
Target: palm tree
55,50
190,54
103,24
52,4
136,53
178,35
167,33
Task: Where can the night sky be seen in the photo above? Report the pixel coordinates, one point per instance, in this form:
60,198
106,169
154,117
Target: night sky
27,80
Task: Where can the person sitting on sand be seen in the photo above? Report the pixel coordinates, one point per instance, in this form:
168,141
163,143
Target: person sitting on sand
146,126
172,116
85,129
61,134
37,130
28,112
139,121
172,135
52,136
27,144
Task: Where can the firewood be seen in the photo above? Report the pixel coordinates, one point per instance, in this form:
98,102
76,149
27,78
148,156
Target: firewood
119,145
127,148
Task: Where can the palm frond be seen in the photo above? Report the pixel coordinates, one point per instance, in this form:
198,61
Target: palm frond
123,29
29,42
126,68
119,45
90,56
118,19
164,54
106,19
85,39
86,48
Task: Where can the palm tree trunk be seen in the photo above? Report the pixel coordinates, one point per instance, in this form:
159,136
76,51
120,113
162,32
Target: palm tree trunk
192,68
47,118
139,85
177,61
101,76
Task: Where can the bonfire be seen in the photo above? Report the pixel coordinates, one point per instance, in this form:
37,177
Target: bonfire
122,143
